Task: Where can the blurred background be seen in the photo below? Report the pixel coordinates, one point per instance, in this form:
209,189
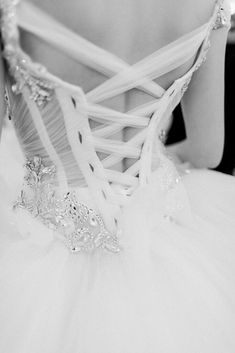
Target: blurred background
177,131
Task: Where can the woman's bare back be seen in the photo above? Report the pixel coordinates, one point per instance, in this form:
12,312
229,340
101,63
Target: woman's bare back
131,29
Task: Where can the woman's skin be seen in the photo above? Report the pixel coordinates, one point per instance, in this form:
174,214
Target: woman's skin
133,29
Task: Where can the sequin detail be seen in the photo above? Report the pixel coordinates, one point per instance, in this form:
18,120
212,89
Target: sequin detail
163,136
203,57
169,176
8,106
186,84
21,69
222,19
79,226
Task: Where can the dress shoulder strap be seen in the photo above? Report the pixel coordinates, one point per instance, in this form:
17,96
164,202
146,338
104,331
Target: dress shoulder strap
223,14
20,67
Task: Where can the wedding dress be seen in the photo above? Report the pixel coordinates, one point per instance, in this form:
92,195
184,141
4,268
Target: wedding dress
94,260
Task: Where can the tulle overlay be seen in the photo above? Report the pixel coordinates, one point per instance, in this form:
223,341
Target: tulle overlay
170,272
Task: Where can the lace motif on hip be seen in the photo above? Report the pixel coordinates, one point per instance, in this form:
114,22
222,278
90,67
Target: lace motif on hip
79,226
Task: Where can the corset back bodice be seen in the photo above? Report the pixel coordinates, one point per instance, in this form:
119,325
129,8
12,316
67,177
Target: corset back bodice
52,117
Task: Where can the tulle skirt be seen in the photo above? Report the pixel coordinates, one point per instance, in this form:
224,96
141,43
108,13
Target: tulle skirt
170,290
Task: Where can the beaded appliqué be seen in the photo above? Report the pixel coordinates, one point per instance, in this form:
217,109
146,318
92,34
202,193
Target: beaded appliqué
186,85
168,179
80,227
205,50
21,68
222,19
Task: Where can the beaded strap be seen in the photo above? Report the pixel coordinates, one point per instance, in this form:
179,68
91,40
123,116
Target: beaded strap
223,15
24,72
220,19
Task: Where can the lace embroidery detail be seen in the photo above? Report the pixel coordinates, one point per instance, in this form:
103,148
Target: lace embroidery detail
168,179
21,68
80,227
203,55
186,84
163,136
222,19
169,175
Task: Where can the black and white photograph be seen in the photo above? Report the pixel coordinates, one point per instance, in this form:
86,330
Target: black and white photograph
117,176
